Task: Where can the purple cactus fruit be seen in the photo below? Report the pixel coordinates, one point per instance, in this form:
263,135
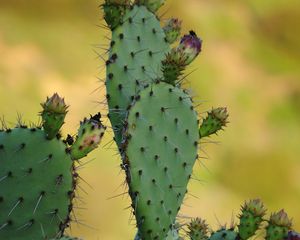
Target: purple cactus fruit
293,236
190,46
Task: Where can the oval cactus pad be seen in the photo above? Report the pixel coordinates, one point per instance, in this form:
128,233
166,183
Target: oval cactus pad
160,150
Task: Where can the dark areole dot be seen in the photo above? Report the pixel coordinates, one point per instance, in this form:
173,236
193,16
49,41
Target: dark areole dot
110,76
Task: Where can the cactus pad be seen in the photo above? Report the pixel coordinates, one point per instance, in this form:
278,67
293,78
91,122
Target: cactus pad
137,48
224,234
160,151
252,213
36,185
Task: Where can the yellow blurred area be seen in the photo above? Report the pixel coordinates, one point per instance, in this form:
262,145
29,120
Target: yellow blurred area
250,63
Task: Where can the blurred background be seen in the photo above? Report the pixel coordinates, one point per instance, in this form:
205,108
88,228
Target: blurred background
250,63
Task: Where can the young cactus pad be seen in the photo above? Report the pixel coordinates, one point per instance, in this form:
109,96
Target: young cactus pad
159,152
252,213
279,226
137,48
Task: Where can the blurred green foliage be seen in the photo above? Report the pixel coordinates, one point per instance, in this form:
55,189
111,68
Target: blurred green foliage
250,63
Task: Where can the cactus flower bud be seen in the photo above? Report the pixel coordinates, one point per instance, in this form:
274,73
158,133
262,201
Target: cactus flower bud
255,206
215,121
190,46
172,29
53,115
178,58
114,11
198,229
279,226
281,219
89,136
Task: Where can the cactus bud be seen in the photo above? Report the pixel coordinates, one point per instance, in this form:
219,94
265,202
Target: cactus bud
172,29
190,46
114,11
152,5
279,225
53,115
198,229
89,136
178,58
215,121
251,218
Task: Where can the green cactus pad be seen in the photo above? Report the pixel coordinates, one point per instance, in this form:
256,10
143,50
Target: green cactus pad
215,121
279,226
252,213
224,234
89,136
137,48
36,185
160,151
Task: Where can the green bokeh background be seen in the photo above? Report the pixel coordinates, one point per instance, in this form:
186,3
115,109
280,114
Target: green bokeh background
250,63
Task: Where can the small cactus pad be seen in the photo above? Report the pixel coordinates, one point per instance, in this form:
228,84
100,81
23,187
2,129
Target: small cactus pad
198,229
137,48
279,226
215,121
160,151
36,185
53,115
224,234
89,136
252,213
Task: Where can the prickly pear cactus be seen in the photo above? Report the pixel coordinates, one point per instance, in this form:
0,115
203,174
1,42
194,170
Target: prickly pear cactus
155,125
38,176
